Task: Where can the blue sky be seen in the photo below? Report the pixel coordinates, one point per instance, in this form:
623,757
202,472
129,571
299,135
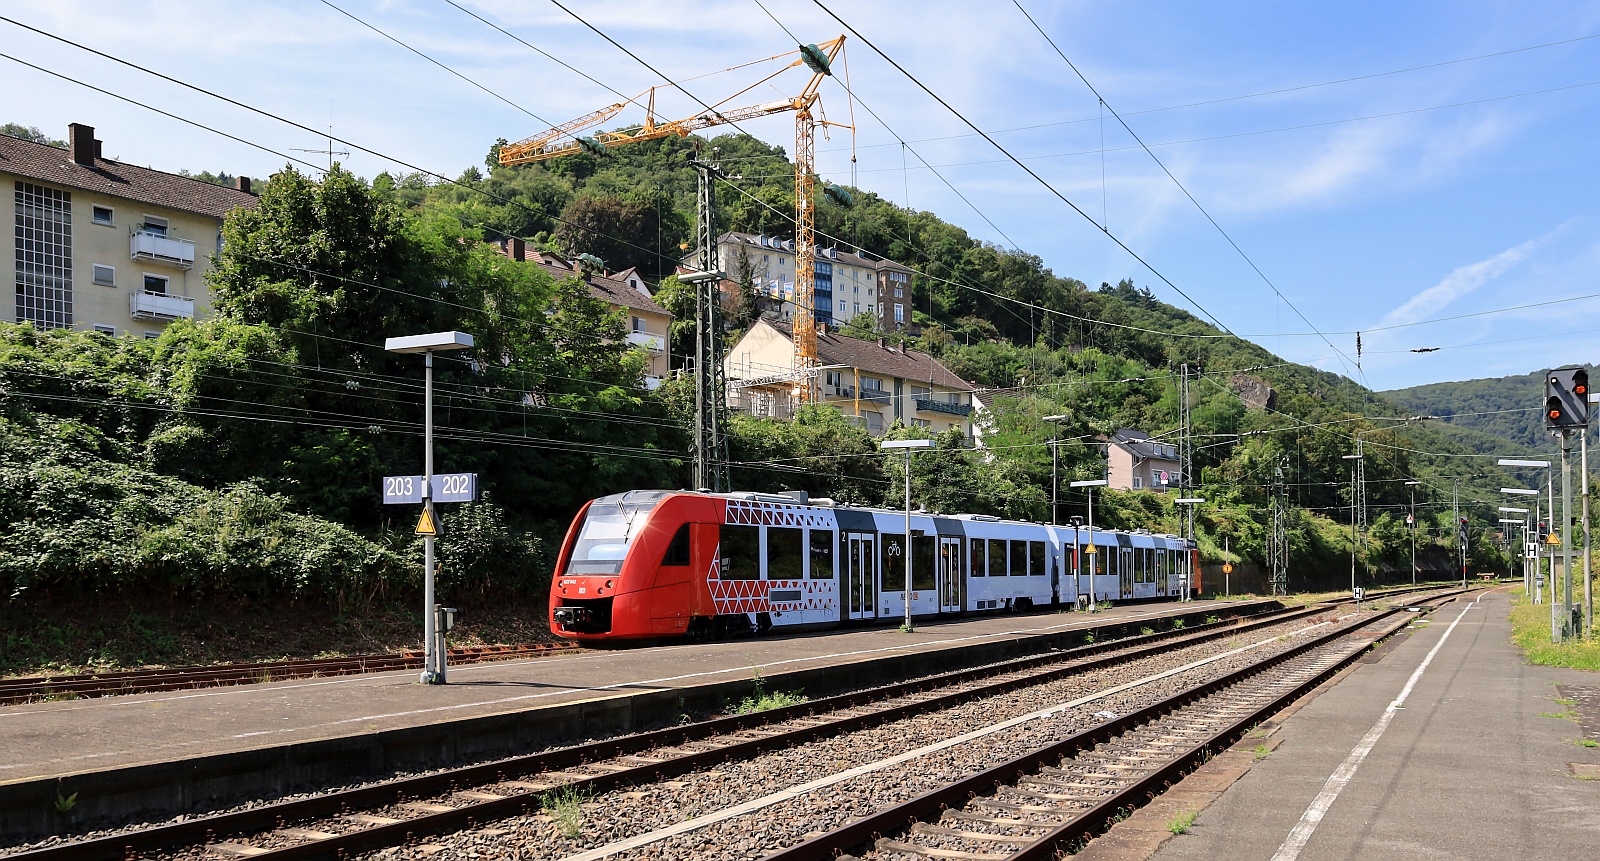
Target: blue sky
1397,198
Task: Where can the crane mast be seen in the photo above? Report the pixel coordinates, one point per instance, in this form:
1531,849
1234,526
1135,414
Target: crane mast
564,140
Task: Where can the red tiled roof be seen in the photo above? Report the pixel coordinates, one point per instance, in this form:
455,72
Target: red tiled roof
139,184
835,349
604,287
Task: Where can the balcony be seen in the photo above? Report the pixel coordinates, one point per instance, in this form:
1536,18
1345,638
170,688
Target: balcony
145,305
651,382
877,396
648,341
928,405
848,392
161,249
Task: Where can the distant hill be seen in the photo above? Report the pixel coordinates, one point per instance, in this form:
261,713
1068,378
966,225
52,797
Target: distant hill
1488,413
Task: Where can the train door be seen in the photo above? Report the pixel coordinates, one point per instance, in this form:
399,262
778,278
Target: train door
1163,572
952,582
1125,570
859,579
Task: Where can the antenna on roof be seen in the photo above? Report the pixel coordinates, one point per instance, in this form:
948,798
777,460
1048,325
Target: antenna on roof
330,151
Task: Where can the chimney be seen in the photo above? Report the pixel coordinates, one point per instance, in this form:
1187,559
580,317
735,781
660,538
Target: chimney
81,143
242,183
517,248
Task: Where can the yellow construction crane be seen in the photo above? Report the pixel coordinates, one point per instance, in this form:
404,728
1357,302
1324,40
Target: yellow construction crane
564,139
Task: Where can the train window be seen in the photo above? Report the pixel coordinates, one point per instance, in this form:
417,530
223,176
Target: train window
1019,558
785,553
821,554
677,551
1036,558
741,553
997,557
922,573
977,557
602,540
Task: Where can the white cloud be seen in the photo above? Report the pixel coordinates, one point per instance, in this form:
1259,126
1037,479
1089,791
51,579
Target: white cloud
1459,283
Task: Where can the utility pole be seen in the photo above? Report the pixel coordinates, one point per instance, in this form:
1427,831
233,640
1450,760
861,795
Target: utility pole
1411,521
1280,535
1185,447
1455,506
1361,495
710,389
1588,577
1354,541
1566,534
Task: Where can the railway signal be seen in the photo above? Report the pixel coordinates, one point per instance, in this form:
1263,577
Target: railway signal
1566,399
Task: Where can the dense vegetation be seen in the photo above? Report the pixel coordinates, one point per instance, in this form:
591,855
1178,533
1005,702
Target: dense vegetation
1501,410
240,456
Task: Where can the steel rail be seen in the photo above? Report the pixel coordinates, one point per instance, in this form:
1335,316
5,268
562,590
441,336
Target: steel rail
84,685
268,817
1096,820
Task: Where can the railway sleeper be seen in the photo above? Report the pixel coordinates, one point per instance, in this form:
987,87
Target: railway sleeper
887,845
977,836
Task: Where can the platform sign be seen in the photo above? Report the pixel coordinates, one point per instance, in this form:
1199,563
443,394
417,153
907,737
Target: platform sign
447,487
1227,567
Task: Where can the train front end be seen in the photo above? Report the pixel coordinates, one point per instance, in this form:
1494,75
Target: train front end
608,582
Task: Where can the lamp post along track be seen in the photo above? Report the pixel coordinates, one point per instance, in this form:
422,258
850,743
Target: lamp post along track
1058,797
408,808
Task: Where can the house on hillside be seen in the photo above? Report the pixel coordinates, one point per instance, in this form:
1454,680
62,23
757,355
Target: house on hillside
872,382
847,283
1136,461
105,246
624,291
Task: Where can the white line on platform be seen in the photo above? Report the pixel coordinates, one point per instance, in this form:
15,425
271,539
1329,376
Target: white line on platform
783,795
1302,831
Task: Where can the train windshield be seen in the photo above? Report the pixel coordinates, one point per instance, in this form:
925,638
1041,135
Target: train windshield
608,527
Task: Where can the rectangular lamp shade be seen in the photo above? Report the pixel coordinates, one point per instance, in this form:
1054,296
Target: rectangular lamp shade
429,343
907,443
1511,461
1097,482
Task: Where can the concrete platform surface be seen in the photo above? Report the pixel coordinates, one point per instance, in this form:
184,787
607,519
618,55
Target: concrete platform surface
1478,762
76,736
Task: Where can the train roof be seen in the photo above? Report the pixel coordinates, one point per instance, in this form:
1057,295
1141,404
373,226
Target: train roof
804,499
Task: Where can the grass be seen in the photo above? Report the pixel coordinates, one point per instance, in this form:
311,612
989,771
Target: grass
761,700
1181,823
1262,752
1586,742
566,809
1530,630
1177,624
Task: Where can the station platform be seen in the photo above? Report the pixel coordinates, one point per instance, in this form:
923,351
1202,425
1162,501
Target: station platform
177,752
1479,761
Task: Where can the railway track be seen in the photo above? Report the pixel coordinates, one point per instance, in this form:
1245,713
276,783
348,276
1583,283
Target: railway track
400,812
1057,798
46,688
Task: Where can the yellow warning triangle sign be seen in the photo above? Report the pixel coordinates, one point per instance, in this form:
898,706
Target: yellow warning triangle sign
1553,539
1090,549
426,525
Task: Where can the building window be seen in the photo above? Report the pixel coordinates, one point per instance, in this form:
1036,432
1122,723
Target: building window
105,330
102,215
156,284
843,306
858,307
1138,483
872,383
154,225
44,256
835,378
638,324
921,423
151,336
899,313
105,276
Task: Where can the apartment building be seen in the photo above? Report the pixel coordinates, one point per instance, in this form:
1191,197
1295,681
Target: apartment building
847,283
624,291
106,246
872,382
1135,461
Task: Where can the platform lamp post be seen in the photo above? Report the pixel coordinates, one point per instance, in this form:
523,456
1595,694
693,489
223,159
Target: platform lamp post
1535,592
1089,485
1556,626
907,445
1188,587
1522,546
1413,525
1055,469
1353,458
433,661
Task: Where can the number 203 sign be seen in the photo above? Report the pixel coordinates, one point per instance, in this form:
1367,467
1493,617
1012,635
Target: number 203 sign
447,487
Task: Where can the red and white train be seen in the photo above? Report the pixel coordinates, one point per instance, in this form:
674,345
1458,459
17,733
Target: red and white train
650,564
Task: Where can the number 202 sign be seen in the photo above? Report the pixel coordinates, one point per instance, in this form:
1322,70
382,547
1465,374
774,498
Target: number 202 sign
448,487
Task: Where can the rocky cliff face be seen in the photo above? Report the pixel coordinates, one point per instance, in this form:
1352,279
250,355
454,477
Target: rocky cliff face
1254,391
